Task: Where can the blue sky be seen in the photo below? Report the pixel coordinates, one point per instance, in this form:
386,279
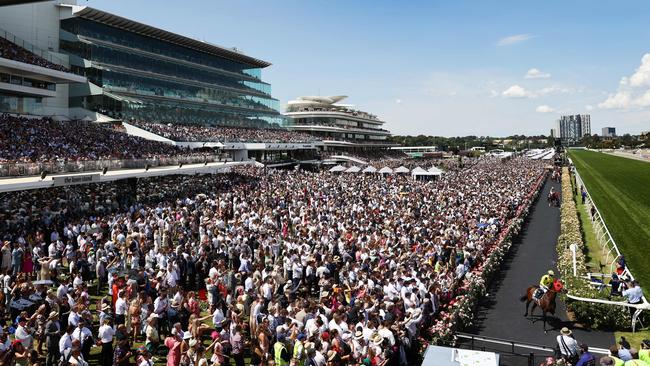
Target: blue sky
437,67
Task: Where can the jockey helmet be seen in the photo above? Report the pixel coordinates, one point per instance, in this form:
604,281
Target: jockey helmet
551,273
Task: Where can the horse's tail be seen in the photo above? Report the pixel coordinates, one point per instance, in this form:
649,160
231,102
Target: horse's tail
523,298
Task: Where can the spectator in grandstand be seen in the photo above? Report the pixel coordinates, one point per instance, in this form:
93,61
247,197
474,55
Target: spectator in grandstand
13,51
196,133
46,140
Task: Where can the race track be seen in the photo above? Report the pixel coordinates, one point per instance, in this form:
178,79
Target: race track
532,254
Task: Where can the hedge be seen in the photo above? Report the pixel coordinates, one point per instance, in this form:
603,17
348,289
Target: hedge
599,316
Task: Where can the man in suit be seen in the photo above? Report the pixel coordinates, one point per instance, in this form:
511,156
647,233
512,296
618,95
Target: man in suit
53,335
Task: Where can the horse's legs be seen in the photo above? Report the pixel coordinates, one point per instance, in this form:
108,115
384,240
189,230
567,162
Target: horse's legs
527,303
533,308
544,321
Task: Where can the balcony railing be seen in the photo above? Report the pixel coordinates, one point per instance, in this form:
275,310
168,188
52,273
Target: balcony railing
63,166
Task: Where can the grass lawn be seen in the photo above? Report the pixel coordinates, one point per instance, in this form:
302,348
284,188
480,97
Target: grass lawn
595,260
634,338
620,188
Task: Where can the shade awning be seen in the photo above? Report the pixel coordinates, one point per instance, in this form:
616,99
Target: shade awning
386,170
402,169
370,169
353,169
338,168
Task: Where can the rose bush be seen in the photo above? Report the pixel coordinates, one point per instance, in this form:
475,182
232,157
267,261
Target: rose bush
461,313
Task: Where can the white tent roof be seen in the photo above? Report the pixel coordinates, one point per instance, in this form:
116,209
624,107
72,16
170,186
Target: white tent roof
424,172
418,170
433,169
353,169
402,169
338,168
370,169
386,170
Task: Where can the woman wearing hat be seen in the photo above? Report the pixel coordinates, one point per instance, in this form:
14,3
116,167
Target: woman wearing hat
151,333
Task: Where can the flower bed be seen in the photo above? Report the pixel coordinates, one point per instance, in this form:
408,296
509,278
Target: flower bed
592,314
461,313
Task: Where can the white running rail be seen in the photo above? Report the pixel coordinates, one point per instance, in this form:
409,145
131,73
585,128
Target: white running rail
609,249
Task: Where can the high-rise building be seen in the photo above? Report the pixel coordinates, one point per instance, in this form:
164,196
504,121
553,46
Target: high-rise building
609,132
572,128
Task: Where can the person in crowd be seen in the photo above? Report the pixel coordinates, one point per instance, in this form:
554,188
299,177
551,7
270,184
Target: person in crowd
634,294
292,266
568,346
586,358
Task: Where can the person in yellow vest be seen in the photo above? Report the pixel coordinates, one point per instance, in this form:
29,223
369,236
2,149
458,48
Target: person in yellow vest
644,352
544,283
635,362
299,354
611,361
281,355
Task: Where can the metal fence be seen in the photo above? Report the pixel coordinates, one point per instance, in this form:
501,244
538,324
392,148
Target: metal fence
64,166
610,250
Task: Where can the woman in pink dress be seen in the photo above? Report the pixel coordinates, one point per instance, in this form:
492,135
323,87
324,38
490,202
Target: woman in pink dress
174,344
28,264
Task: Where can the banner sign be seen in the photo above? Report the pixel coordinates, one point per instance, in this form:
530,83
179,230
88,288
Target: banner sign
75,179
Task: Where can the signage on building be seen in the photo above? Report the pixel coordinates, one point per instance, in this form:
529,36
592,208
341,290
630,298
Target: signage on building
75,179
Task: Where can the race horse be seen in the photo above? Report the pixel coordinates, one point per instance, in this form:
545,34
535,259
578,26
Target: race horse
553,199
546,302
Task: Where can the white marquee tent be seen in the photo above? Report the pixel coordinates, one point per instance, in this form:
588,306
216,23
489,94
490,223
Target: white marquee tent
337,169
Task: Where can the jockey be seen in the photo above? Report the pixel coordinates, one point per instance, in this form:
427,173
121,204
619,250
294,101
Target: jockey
544,283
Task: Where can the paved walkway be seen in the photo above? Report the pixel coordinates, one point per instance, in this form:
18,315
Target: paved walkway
532,254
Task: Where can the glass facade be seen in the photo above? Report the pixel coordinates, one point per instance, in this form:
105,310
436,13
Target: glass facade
149,79
19,104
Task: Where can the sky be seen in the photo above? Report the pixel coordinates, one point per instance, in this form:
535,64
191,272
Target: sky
448,68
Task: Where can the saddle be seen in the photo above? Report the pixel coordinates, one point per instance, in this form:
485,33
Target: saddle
537,296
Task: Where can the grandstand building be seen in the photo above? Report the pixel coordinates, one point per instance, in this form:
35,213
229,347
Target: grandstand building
340,127
129,70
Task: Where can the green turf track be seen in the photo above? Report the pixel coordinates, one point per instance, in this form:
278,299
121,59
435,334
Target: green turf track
620,187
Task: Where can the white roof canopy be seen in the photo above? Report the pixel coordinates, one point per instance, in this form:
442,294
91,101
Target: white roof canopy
353,169
402,169
433,169
386,170
370,169
338,168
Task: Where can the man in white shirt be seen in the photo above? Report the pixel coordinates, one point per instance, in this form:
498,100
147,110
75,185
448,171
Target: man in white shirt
567,344
105,335
84,336
160,306
65,343
120,308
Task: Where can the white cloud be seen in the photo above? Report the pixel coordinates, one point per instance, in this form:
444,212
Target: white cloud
620,100
629,94
642,75
514,39
398,101
544,109
644,100
555,90
536,74
516,91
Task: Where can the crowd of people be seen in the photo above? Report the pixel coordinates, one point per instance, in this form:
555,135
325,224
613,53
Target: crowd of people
284,267
570,352
31,140
14,52
197,133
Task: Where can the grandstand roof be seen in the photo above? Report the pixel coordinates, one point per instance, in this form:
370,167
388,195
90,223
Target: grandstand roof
117,21
17,2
